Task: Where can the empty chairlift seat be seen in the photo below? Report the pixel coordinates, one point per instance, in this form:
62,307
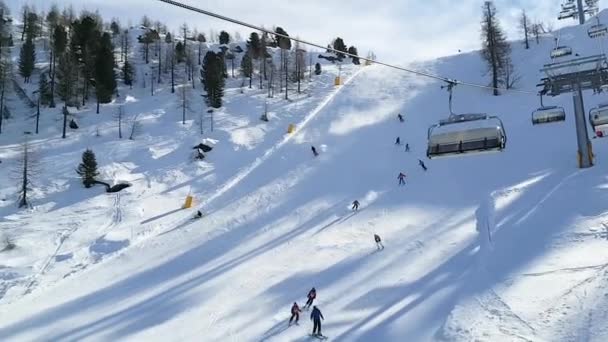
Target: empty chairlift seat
466,133
597,30
561,51
548,114
598,118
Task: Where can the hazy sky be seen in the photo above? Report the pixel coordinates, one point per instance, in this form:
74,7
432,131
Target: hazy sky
396,30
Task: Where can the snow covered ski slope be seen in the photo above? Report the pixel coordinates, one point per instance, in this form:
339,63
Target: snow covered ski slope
283,224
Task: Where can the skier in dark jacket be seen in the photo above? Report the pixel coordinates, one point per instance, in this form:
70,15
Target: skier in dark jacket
398,141
315,317
401,178
295,313
355,205
400,117
314,151
407,147
198,214
379,244
312,294
421,163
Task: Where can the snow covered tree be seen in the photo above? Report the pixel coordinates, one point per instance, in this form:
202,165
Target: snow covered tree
120,115
495,50
25,10
224,37
524,26
213,78
340,46
87,169
145,21
115,27
27,59
180,52
105,79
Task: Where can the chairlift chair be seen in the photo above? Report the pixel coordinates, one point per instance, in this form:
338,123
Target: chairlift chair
547,114
561,51
569,6
597,30
598,118
466,133
566,14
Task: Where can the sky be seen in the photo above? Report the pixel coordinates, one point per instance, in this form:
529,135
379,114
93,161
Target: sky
395,30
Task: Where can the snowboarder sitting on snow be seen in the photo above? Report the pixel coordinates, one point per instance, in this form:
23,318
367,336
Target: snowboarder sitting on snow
315,317
400,117
314,151
401,178
312,294
407,147
398,141
378,241
198,214
355,205
295,313
421,163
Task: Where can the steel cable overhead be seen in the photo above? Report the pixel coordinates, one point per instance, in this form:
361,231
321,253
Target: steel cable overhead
415,72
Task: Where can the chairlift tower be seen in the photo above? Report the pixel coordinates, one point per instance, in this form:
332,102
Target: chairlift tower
574,76
581,12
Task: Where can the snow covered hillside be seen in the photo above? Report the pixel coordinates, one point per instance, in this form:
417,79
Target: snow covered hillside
95,266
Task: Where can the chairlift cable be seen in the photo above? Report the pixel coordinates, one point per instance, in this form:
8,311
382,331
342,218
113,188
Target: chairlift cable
416,72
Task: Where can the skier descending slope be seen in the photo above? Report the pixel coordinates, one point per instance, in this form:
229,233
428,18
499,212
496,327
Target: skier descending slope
295,313
407,147
314,151
379,244
355,205
421,163
398,141
401,178
315,317
312,294
400,117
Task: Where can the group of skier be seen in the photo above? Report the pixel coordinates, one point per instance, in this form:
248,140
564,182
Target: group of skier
401,176
315,316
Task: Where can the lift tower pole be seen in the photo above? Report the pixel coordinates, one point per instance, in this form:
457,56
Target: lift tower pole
581,11
585,156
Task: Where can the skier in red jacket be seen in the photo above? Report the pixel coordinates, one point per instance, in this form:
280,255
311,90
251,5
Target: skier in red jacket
295,313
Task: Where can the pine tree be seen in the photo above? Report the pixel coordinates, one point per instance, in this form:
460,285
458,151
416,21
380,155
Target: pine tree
353,51
318,69
105,79
247,66
85,37
66,74
44,90
180,52
524,26
340,46
224,37
128,73
88,168
27,59
496,50
213,78
58,46
201,39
